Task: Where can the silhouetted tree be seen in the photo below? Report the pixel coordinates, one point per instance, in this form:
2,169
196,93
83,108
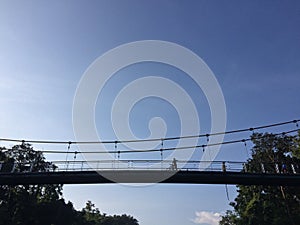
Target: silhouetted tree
266,205
43,204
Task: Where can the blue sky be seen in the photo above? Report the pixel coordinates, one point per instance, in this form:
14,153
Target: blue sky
252,47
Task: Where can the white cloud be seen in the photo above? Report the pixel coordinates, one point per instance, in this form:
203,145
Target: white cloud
204,217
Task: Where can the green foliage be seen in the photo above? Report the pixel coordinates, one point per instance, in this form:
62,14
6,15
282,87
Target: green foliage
296,150
230,218
93,216
43,204
265,205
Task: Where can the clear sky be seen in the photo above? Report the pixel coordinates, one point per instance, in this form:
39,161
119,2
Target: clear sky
252,47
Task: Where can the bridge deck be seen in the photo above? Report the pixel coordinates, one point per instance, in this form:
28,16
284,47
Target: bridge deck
148,176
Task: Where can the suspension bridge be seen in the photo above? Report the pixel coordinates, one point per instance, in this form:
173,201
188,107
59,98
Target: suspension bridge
143,171
79,171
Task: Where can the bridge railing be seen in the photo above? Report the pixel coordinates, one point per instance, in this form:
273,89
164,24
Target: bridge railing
163,165
147,165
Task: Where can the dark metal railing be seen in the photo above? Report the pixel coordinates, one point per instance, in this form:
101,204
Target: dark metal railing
138,164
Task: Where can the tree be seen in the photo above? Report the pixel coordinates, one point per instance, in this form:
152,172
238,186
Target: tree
92,216
18,203
43,204
296,150
266,205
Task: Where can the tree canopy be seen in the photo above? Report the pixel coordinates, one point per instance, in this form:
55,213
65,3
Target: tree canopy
266,205
43,204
